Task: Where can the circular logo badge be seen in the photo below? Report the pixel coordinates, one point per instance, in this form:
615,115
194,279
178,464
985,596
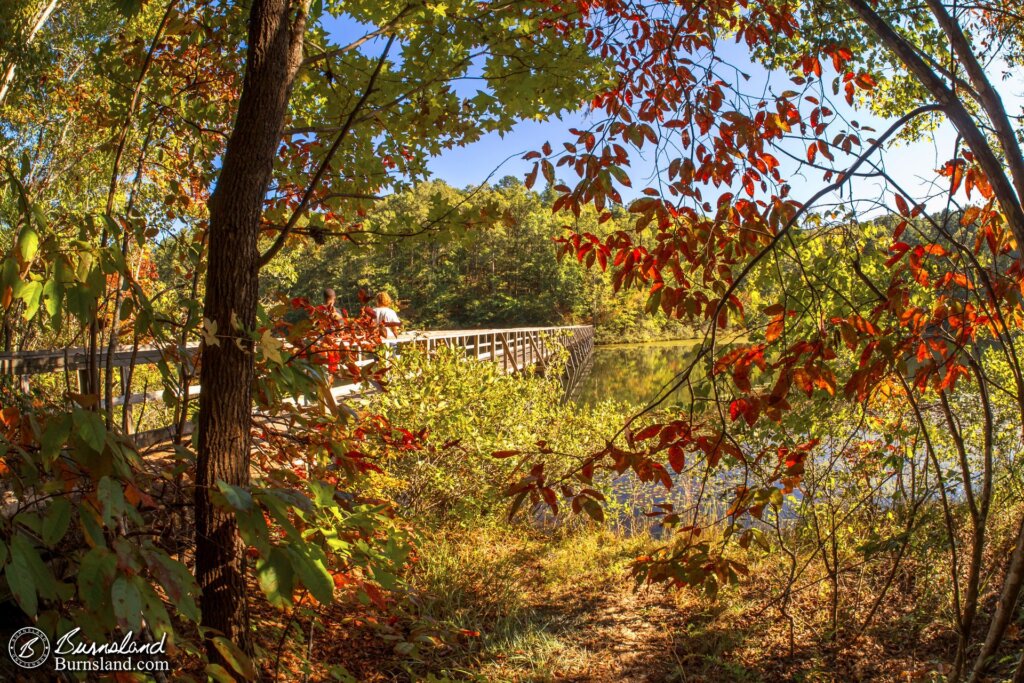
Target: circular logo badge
29,647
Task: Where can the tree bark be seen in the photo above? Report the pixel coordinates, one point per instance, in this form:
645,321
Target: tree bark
987,95
990,163
274,53
1005,607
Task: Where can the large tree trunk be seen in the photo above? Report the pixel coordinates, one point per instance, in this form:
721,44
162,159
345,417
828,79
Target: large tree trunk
274,53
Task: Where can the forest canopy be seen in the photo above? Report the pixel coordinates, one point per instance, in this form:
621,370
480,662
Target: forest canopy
474,258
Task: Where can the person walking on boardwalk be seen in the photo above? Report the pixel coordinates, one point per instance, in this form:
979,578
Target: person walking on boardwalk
387,318
329,306
330,322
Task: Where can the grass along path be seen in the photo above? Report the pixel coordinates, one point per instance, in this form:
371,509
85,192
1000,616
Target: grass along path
524,606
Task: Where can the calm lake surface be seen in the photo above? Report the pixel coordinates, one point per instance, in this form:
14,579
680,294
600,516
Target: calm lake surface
634,373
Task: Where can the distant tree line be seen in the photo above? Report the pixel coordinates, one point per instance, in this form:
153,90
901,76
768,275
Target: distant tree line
476,257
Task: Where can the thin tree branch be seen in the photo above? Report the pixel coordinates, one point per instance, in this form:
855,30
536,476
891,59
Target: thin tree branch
958,115
318,176
987,95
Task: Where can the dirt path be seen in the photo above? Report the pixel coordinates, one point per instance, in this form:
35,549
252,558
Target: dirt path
615,634
621,637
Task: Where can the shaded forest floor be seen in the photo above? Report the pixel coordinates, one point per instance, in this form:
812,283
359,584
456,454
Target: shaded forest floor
497,606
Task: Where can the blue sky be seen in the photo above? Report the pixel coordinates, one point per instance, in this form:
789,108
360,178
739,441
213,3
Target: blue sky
911,165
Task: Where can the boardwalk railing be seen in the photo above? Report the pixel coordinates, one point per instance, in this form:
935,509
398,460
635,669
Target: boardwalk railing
514,349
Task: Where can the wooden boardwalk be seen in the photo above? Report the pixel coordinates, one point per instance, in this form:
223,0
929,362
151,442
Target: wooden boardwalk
514,349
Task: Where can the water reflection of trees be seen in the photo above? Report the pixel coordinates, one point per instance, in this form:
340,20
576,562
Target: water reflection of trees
635,373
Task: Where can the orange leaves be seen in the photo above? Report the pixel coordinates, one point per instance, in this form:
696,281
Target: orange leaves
913,319
137,497
840,55
862,325
964,172
648,432
853,328
974,178
811,377
970,215
954,170
808,64
953,372
863,81
587,248
917,263
902,207
777,323
822,147
747,408
545,167
531,177
740,361
676,457
10,416
898,250
549,497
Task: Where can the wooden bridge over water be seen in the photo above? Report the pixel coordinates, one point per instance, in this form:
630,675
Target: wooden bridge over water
515,350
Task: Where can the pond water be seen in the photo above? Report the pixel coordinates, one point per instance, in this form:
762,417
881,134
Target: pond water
635,373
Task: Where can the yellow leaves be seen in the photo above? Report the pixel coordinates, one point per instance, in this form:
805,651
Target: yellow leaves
28,244
209,332
271,347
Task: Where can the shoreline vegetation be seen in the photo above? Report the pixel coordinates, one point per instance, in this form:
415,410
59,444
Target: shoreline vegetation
556,597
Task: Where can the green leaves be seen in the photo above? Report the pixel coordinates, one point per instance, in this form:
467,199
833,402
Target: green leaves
127,602
593,509
129,8
277,578
31,293
236,497
56,521
311,568
235,657
19,579
90,429
95,576
28,576
28,244
111,497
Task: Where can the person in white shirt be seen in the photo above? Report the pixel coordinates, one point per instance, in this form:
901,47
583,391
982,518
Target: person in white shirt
386,317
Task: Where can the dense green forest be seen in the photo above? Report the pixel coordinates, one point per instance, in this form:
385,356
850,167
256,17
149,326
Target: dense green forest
474,258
